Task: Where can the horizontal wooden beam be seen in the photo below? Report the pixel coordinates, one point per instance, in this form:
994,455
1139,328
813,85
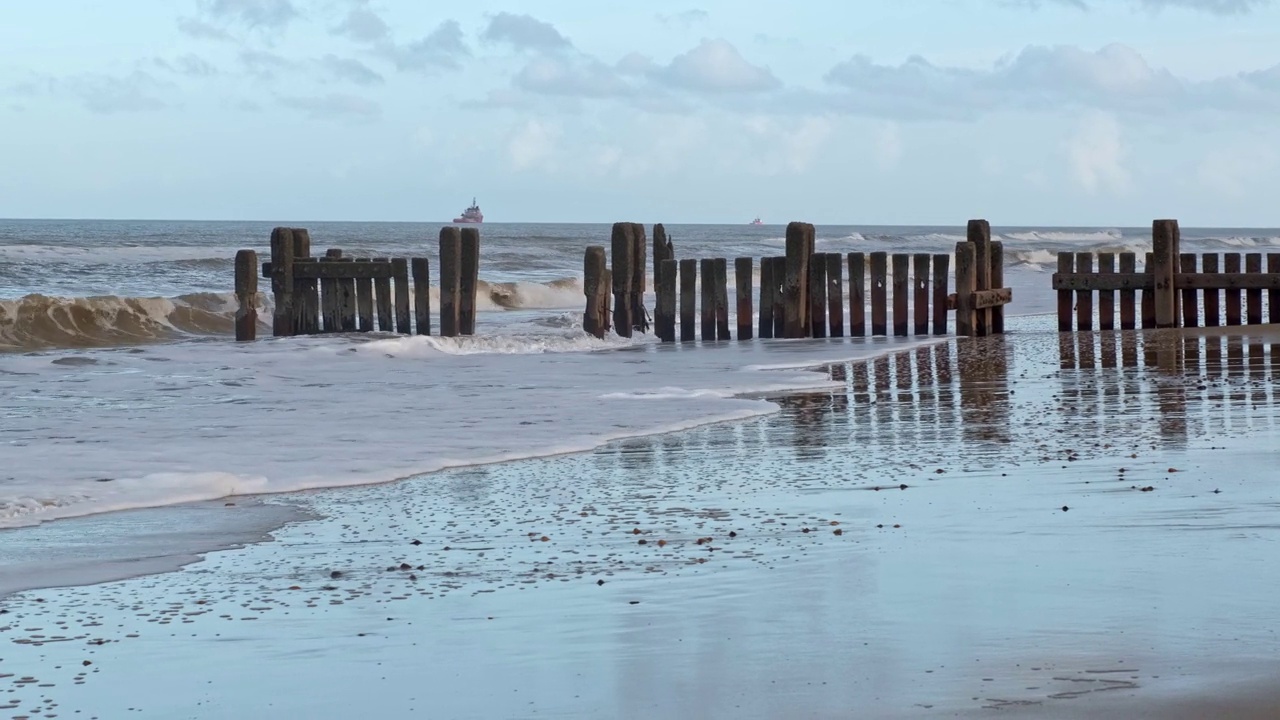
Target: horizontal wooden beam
336,270
983,299
1102,281
1181,281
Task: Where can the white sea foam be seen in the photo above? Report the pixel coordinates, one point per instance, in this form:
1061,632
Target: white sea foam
1058,236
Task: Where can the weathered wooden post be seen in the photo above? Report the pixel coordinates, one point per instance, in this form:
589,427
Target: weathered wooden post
966,285
421,268
450,280
721,272
364,300
835,294
1066,266
662,250
330,303
282,286
766,298
901,282
817,296
1128,264
743,268
623,257
1190,307
879,293
1106,298
639,314
920,278
306,293
382,292
1253,296
1212,296
1084,296
469,280
800,239
688,300
941,280
978,232
1164,246
708,313
595,321
664,313
400,273
1231,264
1148,302
347,304
857,295
247,295
997,281
779,300
1273,302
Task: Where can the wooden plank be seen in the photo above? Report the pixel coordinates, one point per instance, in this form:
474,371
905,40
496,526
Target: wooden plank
662,250
1066,266
342,269
997,282
595,319
383,300
901,293
1106,298
1128,263
306,290
664,314
795,290
720,268
708,314
978,232
1212,295
1190,308
450,280
639,284
1099,281
347,304
468,280
400,273
1164,271
330,303
879,293
743,269
1253,297
364,300
622,246
835,295
1231,264
779,315
1273,301
1148,302
1084,298
766,298
817,296
281,274
421,269
966,285
247,295
941,289
996,297
688,300
857,295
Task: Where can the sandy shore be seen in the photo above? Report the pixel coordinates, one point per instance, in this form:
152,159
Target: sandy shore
1009,527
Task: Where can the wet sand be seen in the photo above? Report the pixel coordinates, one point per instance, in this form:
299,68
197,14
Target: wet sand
1007,527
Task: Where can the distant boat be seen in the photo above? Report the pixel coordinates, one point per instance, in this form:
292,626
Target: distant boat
756,222
471,214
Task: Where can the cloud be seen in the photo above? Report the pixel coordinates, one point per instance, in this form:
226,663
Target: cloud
201,30
571,76
264,65
715,66
363,25
443,48
532,144
138,91
1096,154
349,70
685,19
1236,170
334,106
190,65
253,14
1216,7
524,32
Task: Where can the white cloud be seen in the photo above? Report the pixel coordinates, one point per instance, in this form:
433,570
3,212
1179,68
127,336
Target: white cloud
1235,170
532,145
334,106
524,32
1096,153
715,66
888,146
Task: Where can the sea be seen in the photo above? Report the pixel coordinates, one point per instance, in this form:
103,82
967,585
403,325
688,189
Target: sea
123,388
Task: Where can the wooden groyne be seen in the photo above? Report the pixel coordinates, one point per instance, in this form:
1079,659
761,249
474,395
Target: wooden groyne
1174,286
801,294
338,293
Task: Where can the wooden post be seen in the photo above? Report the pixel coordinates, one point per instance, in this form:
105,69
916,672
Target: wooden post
665,312
1128,264
450,280
879,293
1253,264
595,321
282,287
347,304
247,295
835,294
817,296
400,273
688,300
1273,302
978,232
1164,247
1212,309
421,268
766,298
468,280
997,281
1190,308
364,301
639,314
721,270
1084,298
857,295
707,265
383,301
966,283
941,289
1149,297
779,300
901,291
1231,264
1066,266
623,256
306,321
743,269
920,261
330,302
795,290
662,250
1106,298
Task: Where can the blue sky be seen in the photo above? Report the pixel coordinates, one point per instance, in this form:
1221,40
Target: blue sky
1026,112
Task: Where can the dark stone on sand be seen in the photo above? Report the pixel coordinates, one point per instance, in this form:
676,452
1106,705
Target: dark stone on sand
599,582
416,542
1065,508
335,574
903,486
406,566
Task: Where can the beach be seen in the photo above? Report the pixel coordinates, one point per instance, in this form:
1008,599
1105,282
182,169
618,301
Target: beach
1015,526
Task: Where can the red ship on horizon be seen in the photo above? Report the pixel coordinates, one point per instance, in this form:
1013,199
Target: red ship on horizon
471,214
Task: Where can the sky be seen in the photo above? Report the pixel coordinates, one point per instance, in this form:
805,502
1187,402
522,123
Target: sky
1025,112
